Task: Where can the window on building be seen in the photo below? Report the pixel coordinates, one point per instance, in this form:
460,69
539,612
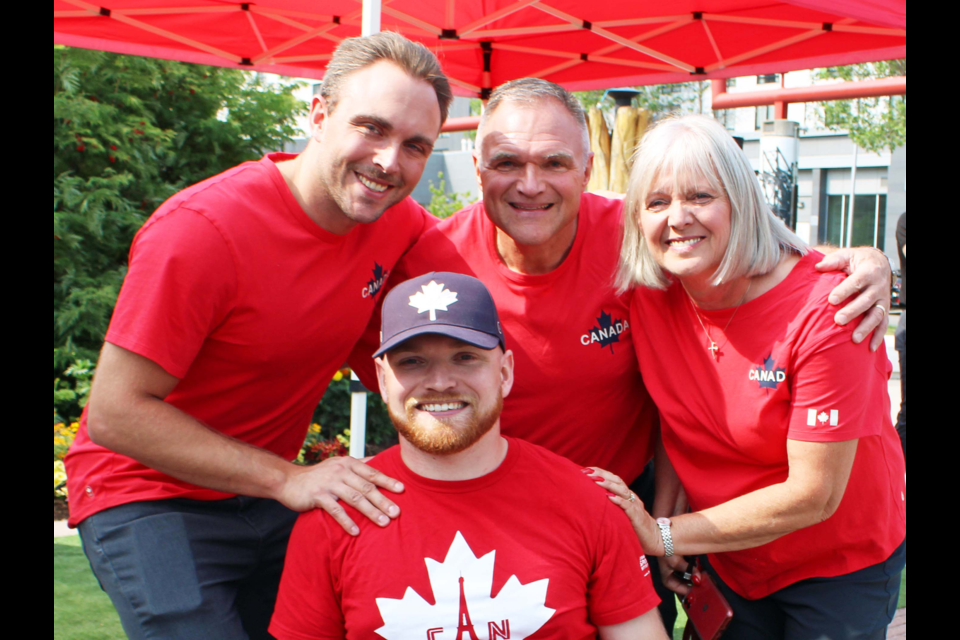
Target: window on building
764,114
869,221
770,78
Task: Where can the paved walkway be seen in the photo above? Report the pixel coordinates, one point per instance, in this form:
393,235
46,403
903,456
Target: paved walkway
60,530
898,630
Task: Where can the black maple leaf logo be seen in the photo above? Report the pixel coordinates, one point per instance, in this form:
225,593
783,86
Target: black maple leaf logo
607,332
771,381
377,282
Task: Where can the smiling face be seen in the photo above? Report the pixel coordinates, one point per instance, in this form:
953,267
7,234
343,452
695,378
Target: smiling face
686,225
375,144
533,167
444,395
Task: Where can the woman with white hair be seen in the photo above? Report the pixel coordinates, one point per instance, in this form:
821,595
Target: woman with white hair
775,425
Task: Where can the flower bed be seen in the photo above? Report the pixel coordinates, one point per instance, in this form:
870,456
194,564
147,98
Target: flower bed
316,449
63,436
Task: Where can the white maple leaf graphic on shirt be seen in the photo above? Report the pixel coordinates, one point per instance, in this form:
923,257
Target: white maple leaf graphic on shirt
433,298
517,612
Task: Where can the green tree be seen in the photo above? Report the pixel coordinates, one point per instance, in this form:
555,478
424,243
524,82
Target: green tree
660,99
128,133
443,204
874,124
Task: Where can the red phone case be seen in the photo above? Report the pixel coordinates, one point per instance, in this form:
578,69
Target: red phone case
707,609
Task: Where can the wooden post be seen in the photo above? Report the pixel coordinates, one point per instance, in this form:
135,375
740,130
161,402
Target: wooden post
600,146
624,137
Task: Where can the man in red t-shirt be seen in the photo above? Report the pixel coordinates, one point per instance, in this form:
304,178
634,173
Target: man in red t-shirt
499,538
548,253
244,296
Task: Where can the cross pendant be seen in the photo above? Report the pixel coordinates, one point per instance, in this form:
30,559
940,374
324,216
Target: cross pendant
715,349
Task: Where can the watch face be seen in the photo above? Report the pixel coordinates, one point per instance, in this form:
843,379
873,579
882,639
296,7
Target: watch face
664,521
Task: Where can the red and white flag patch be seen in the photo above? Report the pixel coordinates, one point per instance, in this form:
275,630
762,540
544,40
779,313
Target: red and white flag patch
815,417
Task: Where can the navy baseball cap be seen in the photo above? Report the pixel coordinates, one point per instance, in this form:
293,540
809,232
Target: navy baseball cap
446,304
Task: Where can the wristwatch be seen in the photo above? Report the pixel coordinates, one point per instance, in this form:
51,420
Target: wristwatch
667,535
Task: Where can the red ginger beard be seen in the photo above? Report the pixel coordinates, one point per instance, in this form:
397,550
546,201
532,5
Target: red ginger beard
445,437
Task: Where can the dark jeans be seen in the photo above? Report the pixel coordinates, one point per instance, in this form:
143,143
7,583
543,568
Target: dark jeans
191,570
858,606
645,488
902,350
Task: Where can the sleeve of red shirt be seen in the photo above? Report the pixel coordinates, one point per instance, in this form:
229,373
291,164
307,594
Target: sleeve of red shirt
181,285
839,391
308,607
620,588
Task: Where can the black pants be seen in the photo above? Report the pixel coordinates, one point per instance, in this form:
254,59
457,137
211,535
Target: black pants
857,606
645,488
902,350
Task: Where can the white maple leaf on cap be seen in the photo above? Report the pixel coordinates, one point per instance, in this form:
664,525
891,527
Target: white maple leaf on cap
517,612
433,297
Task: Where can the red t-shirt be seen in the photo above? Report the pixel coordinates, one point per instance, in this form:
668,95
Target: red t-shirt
542,553
236,292
786,372
577,391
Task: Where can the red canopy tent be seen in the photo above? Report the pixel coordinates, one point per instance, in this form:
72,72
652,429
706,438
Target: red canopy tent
483,43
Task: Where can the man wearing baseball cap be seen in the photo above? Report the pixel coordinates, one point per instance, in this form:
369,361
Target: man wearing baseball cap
497,537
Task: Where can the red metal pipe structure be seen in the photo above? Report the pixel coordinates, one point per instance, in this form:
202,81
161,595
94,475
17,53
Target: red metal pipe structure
469,123
780,98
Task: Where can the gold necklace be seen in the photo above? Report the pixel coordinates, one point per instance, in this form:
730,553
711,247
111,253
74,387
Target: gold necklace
713,345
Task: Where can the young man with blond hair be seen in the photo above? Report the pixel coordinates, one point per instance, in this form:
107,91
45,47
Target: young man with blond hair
244,296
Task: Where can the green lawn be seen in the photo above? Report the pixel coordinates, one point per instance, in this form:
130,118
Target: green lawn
81,611
903,592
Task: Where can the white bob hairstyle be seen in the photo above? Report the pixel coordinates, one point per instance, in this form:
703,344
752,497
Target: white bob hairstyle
696,153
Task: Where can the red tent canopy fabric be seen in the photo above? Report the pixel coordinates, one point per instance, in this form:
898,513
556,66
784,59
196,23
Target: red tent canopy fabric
483,43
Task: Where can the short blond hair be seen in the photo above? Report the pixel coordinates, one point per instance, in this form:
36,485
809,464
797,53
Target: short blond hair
700,154
354,54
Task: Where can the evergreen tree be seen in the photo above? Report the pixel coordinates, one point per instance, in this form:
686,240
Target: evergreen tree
128,133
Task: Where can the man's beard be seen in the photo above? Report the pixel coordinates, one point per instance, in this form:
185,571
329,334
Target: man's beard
444,438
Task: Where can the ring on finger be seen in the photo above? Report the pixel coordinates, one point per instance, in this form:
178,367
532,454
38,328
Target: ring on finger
882,308
633,497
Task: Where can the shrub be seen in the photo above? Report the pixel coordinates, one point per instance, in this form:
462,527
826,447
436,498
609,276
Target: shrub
316,449
442,204
72,390
334,413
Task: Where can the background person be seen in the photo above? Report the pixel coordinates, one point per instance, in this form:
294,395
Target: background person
776,424
498,537
244,296
548,253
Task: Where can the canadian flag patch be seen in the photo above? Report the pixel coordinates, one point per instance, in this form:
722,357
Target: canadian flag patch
815,417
